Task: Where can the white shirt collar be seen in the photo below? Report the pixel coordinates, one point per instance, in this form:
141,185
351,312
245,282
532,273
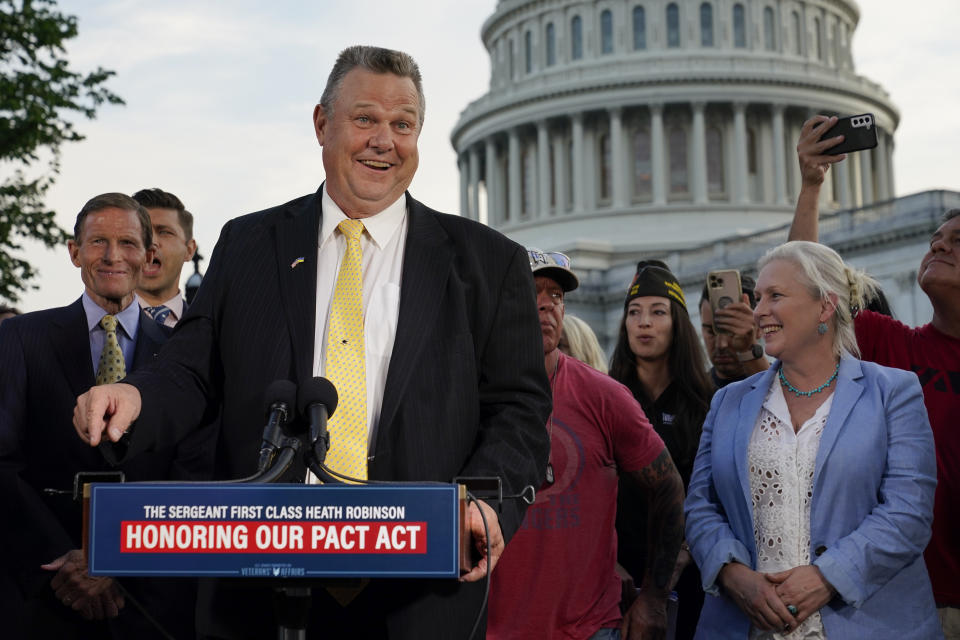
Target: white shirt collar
175,304
380,226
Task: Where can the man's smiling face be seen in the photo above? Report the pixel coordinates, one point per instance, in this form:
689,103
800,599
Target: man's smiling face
369,141
939,273
110,254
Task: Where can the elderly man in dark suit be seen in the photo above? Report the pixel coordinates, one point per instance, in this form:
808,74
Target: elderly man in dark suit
49,357
433,309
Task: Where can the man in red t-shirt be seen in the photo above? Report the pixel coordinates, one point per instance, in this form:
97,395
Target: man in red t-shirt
557,578
931,351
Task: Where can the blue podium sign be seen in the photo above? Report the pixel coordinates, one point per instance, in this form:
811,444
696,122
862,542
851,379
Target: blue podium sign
274,530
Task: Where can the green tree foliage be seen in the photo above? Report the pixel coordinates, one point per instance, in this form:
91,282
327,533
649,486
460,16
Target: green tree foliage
38,91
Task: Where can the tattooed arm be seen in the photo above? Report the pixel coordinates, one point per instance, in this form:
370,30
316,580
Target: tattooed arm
647,617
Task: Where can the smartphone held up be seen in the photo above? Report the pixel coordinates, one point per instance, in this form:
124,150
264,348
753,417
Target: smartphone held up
859,133
723,288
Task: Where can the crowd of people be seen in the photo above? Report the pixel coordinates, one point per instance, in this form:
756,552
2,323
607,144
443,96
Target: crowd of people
791,472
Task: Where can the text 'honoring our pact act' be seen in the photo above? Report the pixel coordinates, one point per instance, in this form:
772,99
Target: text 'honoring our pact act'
151,536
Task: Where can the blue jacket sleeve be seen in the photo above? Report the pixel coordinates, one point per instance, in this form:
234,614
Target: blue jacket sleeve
897,529
712,540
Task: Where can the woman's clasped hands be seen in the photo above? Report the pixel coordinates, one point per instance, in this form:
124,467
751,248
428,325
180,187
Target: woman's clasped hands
776,601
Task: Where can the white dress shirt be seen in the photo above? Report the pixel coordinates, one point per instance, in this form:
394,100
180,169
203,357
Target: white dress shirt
383,244
175,304
781,468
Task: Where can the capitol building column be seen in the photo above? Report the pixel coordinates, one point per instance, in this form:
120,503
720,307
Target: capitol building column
843,182
543,169
866,176
891,179
490,180
514,188
658,159
618,158
464,164
779,157
561,172
699,173
740,153
579,184
474,209
856,184
883,180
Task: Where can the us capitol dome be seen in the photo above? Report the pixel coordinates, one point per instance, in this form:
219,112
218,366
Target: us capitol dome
620,129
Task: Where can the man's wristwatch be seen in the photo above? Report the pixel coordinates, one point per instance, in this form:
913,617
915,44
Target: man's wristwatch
756,352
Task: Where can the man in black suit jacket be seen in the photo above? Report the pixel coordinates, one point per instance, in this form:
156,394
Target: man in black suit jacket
465,391
49,358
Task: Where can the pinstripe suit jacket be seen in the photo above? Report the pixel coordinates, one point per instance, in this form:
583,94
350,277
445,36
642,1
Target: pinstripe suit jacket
46,364
466,392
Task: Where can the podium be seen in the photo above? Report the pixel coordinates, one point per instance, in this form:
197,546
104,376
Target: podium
290,536
277,530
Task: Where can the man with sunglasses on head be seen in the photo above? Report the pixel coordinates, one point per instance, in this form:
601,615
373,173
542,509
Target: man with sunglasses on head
557,578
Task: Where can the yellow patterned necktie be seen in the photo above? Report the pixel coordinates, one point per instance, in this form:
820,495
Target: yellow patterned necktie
111,367
345,363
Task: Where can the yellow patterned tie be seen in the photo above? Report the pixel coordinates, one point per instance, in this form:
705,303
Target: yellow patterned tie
111,367
346,361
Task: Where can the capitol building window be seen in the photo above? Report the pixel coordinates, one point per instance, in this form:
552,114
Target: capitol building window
576,38
673,25
639,28
706,24
606,32
739,27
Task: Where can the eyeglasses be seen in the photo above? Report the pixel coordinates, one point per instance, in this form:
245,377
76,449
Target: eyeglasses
548,258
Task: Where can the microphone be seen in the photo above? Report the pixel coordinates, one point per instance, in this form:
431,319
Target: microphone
279,398
317,400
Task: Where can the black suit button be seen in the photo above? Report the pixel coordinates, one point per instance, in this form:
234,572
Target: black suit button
820,550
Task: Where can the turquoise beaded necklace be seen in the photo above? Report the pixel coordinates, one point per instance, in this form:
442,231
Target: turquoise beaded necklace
798,393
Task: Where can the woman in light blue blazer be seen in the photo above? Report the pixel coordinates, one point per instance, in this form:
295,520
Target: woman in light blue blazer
812,492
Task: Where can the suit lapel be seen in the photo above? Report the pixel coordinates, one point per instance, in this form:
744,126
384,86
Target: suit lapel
427,261
845,397
297,235
750,407
71,344
150,337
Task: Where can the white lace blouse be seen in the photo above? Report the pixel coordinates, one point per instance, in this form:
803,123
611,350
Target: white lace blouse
781,465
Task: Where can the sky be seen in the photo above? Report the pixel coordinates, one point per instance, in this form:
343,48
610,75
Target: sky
219,98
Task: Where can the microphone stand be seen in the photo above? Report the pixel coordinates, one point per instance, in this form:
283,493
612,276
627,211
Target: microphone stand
289,448
291,603
316,455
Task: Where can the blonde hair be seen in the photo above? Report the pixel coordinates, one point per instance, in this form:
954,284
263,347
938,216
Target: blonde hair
823,272
583,343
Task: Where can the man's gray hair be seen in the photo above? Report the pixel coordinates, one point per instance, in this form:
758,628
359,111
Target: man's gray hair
376,60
